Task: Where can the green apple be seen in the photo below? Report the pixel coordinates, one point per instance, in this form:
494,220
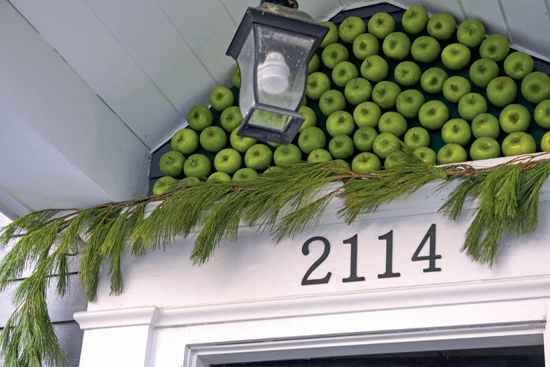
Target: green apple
319,155
441,26
164,184
309,115
273,170
494,47
483,71
518,143
228,160
274,145
426,155
432,80
545,142
408,103
304,101
535,87
231,118
365,163
385,93
342,163
374,68
384,144
219,177
456,56
518,64
258,157
314,64
514,117
396,46
240,143
236,77
380,25
311,138
350,28
502,91
425,49
393,160
357,90
197,165
541,114
341,146
451,153
286,155
213,139
199,117
407,73
364,138
189,181
332,100
343,73
317,84
171,163
415,20
365,45
185,141
340,123
484,148
417,137
331,36
367,114
471,105
455,88
471,33
485,124
456,131
245,174
433,115
392,122
221,97
334,54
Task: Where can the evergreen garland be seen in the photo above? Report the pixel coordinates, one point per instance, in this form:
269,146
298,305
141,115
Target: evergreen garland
282,204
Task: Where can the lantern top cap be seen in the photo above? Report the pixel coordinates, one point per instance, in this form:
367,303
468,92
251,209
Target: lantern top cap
271,13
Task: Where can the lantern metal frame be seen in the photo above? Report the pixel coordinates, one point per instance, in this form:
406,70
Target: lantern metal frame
288,20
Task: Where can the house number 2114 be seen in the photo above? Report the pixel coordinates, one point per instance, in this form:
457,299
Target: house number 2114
388,237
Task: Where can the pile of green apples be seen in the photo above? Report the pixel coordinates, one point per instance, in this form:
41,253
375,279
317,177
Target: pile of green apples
448,92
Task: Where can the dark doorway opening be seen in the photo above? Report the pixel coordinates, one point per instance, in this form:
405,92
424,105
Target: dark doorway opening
527,356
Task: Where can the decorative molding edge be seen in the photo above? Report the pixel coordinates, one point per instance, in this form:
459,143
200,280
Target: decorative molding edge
117,318
375,300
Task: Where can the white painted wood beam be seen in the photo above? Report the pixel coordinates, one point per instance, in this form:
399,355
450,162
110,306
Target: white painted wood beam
61,144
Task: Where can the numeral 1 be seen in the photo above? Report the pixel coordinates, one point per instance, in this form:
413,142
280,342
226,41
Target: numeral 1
353,265
432,256
389,256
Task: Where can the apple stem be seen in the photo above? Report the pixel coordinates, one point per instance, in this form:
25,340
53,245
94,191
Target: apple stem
338,144
365,111
454,88
412,13
455,128
169,160
472,99
312,84
368,63
515,140
471,30
381,92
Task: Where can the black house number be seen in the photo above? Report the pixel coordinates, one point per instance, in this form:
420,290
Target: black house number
352,241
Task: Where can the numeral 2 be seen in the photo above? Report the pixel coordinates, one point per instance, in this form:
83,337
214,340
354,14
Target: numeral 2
324,255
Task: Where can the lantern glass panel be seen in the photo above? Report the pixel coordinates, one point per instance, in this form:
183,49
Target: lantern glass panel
282,60
269,119
245,60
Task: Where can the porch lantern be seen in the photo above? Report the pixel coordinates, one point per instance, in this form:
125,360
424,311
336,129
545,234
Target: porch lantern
272,47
